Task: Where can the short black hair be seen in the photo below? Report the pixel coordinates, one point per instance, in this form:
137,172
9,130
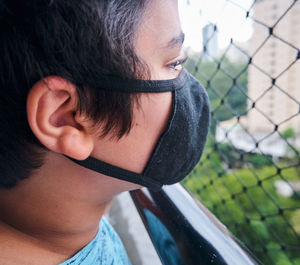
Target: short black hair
79,41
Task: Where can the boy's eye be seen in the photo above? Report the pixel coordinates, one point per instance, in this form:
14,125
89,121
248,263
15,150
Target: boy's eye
177,63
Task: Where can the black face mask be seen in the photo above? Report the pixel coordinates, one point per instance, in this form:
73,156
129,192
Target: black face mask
180,146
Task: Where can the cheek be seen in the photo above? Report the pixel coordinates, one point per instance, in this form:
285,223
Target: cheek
133,151
154,113
150,122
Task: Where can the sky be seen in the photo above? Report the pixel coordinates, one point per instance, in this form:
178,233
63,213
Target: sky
230,19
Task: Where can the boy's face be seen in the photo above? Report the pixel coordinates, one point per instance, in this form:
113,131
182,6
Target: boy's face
158,43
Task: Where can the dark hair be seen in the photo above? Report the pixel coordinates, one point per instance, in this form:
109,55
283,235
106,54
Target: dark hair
79,41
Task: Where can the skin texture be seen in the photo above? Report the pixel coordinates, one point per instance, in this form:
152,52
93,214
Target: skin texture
50,216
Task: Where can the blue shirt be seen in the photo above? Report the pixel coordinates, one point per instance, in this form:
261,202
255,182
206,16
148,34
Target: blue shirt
105,249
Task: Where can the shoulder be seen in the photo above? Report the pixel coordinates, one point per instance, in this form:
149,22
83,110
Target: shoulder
113,243
105,248
107,230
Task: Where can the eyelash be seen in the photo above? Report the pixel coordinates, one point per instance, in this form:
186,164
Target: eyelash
177,63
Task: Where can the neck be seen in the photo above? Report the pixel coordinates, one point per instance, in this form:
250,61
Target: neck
41,217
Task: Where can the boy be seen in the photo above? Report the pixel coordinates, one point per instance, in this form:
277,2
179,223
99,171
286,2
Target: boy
75,129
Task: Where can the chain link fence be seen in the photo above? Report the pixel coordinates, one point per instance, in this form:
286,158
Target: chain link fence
249,175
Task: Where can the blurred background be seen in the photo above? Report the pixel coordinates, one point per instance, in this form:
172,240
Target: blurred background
246,54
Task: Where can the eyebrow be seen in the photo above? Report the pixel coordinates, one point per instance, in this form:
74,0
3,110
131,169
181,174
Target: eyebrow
176,41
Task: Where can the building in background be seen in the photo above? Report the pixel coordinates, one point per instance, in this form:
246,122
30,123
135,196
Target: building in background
273,83
210,42
273,86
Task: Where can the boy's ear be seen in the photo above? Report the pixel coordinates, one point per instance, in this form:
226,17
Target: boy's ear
51,113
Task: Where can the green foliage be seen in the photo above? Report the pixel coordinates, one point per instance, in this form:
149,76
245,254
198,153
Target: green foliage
295,221
242,195
288,133
259,161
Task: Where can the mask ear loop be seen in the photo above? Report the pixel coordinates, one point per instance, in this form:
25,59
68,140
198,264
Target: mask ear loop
116,172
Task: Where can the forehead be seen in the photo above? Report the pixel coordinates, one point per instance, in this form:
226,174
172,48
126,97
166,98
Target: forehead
159,25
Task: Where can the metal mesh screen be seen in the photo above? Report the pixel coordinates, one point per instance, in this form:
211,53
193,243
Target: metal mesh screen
249,175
